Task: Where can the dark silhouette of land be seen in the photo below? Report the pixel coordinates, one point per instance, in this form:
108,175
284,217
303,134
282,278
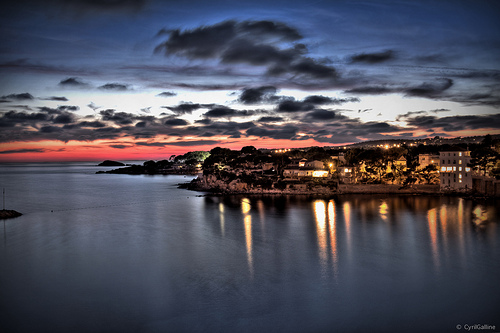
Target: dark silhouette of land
7,214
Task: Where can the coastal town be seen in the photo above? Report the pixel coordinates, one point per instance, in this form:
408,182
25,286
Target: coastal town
467,166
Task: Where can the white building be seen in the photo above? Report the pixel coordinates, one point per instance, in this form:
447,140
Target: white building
455,174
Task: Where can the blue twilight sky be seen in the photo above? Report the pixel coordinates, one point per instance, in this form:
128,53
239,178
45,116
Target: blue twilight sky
127,75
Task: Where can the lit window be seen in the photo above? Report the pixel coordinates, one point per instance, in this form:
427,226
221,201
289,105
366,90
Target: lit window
459,154
459,161
459,168
443,169
467,169
346,170
460,181
454,168
449,168
460,176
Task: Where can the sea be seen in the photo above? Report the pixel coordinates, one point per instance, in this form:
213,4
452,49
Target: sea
135,253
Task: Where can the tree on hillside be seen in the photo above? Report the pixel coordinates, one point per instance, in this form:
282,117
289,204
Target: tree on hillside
484,159
249,150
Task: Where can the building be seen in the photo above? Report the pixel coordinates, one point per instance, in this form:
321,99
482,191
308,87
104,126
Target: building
292,173
314,165
428,159
455,173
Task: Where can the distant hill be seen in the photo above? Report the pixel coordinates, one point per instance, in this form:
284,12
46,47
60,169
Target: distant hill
110,163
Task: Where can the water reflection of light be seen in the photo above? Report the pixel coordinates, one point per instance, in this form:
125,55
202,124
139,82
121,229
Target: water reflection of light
245,205
248,238
221,218
460,220
432,220
262,215
320,214
247,221
479,215
383,210
443,218
347,219
333,233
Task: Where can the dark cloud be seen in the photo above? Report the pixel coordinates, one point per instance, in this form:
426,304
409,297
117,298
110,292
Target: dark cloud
259,43
50,129
121,118
167,94
64,118
11,118
306,67
487,99
22,151
193,143
56,98
270,119
176,122
283,132
150,144
204,121
184,108
324,100
210,41
320,115
430,90
402,117
18,97
73,82
373,58
294,106
60,109
204,87
225,112
456,123
94,124
258,95
244,51
115,87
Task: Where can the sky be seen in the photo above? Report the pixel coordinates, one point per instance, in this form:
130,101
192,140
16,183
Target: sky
146,79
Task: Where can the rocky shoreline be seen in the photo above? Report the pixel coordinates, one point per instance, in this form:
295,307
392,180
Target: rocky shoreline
8,214
220,189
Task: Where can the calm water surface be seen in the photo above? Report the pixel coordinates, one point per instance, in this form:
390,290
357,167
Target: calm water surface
119,253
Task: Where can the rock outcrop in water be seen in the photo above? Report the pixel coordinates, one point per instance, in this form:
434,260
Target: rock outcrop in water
7,214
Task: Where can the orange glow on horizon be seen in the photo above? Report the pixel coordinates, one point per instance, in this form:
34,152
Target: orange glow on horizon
124,149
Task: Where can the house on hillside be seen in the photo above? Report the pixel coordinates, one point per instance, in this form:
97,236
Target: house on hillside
314,165
428,159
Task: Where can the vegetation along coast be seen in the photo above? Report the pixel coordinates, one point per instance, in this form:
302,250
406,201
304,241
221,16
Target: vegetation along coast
467,166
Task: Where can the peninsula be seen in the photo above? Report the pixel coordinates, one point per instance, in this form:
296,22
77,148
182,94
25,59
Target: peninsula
396,167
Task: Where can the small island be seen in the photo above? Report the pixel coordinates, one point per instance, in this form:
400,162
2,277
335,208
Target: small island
7,214
111,163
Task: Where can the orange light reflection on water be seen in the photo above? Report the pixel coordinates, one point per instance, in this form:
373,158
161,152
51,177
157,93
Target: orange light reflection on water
333,234
247,221
432,220
320,215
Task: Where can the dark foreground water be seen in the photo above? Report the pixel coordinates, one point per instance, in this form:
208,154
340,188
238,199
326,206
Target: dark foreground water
118,253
